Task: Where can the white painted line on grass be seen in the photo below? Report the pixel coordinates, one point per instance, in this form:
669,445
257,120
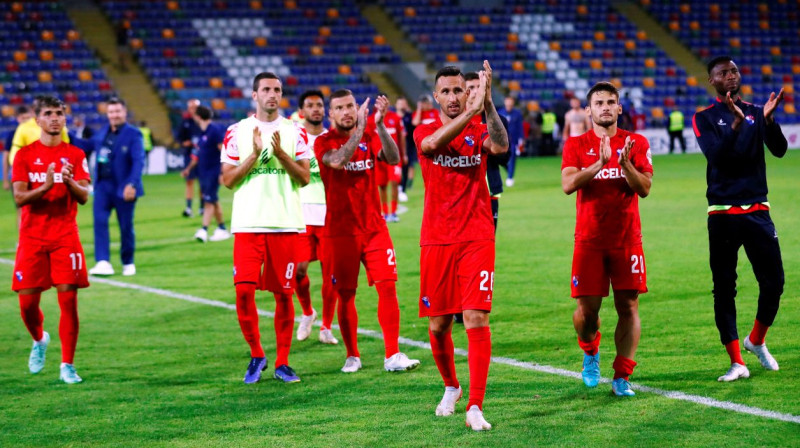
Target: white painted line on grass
675,395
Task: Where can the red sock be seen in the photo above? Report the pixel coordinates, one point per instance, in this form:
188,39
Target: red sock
442,349
304,295
623,367
284,327
394,206
759,333
68,325
388,316
248,317
385,208
590,348
734,352
480,354
348,321
328,304
32,315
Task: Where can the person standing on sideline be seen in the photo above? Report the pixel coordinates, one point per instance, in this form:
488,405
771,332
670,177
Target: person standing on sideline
206,158
548,146
732,135
457,237
407,116
610,169
310,247
576,120
354,230
516,137
263,165
50,178
188,135
675,130
118,184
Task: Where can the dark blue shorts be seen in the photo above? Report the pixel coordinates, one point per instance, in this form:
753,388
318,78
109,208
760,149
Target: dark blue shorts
209,187
187,158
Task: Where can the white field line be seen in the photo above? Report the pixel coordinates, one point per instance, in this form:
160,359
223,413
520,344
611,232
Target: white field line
675,395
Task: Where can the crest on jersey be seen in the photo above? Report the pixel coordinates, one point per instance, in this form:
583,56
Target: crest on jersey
234,271
64,160
750,119
575,281
333,279
469,140
18,274
426,301
362,146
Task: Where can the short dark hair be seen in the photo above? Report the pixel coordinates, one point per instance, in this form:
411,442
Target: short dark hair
469,76
203,112
341,93
22,110
717,60
450,70
264,75
47,102
309,94
116,100
602,86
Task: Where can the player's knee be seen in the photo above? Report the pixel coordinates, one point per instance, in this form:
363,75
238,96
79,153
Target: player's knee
302,271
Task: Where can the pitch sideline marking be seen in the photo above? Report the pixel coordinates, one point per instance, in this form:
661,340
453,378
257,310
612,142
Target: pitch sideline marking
675,395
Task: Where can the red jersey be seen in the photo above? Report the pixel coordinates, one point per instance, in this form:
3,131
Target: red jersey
429,116
52,216
393,124
457,202
351,193
608,209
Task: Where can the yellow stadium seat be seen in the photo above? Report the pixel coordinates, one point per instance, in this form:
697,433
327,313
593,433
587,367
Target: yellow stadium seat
137,44
746,89
787,88
73,35
168,33
513,37
641,35
775,51
101,107
555,46
326,90
20,56
284,103
694,25
173,6
452,57
324,31
582,10
648,82
410,12
469,38
766,69
575,55
596,64
657,113
735,42
645,3
17,7
47,35
542,66
674,25
650,62
630,44
587,45
46,55
45,76
517,66
378,40
789,108
763,8
686,8
332,13
734,25
219,104
261,42
316,50
256,5
485,20
176,83
763,24
85,75
691,81
344,69
713,8
215,83
290,4
796,69
532,106
514,86
8,110
599,36
616,82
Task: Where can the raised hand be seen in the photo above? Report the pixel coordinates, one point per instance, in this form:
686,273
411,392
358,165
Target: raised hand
624,155
476,100
66,171
605,150
381,106
50,178
363,112
733,107
276,144
487,69
771,105
257,144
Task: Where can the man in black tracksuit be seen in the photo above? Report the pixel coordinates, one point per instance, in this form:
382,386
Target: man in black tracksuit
732,134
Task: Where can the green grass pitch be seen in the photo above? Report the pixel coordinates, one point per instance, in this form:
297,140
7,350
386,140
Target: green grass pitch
164,372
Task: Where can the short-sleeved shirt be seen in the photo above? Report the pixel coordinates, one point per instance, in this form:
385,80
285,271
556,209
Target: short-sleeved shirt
52,216
393,124
457,201
208,152
429,116
607,208
351,193
230,149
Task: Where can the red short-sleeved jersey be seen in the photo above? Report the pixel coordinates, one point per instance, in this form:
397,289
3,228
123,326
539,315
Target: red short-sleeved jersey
52,216
351,193
457,200
393,124
608,209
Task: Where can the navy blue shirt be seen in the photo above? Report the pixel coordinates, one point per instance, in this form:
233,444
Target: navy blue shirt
207,152
105,157
736,172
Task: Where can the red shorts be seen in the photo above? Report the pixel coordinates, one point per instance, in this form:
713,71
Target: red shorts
344,254
388,173
42,265
593,268
266,259
456,277
309,247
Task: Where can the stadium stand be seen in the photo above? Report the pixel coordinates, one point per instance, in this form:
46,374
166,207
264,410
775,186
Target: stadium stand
762,37
542,50
211,50
43,54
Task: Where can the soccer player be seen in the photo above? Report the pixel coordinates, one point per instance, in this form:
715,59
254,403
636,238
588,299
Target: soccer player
188,136
407,116
732,134
262,164
22,114
610,169
576,120
425,113
516,135
354,230
312,107
389,176
50,179
206,158
457,239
